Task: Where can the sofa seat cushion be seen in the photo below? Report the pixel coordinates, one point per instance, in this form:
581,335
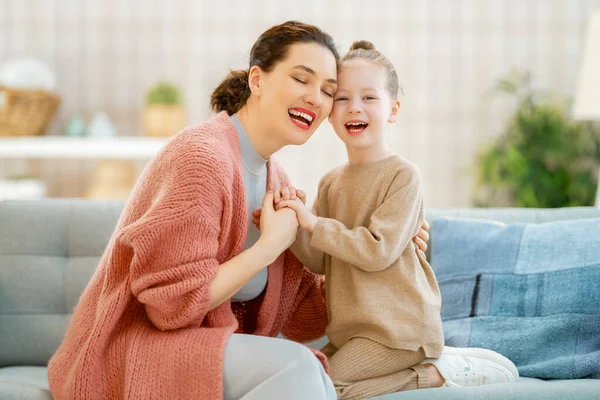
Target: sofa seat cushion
29,383
525,389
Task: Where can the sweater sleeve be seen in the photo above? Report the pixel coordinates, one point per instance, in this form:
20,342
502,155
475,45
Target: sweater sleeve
390,229
311,257
174,245
308,318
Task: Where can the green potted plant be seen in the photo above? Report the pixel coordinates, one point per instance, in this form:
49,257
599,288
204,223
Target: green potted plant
164,114
543,158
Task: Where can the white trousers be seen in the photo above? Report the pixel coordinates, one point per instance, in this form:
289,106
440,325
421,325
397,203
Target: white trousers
264,368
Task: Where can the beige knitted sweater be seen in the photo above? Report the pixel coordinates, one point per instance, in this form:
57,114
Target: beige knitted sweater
378,285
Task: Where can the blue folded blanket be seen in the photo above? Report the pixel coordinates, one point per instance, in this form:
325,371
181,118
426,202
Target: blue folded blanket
528,291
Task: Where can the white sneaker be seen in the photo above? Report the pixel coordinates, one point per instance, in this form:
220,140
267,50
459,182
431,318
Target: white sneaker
462,367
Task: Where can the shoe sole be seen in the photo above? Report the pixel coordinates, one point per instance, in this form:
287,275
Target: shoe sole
486,355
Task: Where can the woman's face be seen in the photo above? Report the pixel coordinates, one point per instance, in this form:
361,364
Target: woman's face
297,95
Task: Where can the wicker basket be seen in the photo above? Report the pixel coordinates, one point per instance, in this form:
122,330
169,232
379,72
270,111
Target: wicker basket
26,112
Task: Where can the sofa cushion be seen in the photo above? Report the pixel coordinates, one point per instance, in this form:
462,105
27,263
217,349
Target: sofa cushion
528,291
24,383
48,252
525,389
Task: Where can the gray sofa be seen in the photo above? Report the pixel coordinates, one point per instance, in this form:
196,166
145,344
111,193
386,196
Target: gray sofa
50,248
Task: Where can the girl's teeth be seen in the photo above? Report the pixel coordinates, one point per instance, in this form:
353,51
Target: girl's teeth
355,127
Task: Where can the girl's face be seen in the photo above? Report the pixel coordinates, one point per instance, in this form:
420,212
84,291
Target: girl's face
362,106
297,95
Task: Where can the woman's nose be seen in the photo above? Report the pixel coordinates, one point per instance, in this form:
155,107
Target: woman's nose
314,98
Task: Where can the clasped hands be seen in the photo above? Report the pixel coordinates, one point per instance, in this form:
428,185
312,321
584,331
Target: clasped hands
290,197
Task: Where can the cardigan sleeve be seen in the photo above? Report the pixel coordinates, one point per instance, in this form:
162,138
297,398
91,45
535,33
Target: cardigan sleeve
175,242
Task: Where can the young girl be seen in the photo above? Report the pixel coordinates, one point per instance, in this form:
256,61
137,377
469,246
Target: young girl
383,301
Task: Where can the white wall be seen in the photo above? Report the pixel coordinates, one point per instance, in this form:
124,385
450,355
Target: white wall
448,53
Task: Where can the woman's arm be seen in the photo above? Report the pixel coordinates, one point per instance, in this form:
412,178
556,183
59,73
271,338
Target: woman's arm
172,240
173,264
174,269
277,232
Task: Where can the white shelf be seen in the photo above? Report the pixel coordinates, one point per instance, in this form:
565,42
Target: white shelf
59,147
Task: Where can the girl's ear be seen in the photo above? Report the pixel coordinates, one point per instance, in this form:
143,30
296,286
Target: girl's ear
394,113
254,77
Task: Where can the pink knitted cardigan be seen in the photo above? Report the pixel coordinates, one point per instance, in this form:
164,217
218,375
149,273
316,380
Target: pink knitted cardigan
142,328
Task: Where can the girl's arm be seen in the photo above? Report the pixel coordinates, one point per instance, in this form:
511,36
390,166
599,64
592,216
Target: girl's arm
312,258
390,230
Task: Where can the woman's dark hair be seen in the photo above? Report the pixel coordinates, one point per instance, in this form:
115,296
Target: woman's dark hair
270,48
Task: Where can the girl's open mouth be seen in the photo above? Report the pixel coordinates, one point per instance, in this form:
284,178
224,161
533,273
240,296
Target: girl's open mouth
355,128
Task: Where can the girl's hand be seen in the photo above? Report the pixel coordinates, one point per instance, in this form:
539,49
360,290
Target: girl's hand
289,193
256,218
422,238
306,218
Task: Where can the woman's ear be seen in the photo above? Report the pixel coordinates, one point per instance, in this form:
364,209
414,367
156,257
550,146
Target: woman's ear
394,113
254,76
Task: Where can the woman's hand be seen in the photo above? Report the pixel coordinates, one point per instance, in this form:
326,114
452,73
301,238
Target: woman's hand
278,232
278,228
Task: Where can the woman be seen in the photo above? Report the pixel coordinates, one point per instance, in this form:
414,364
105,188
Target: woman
185,269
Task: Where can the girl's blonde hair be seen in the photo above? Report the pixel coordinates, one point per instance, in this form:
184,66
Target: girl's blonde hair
365,50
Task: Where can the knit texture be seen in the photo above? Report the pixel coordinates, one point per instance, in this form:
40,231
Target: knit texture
142,328
363,369
378,285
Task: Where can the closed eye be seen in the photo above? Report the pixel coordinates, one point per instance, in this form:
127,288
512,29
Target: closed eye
327,93
299,80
